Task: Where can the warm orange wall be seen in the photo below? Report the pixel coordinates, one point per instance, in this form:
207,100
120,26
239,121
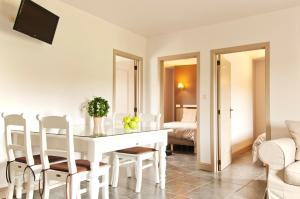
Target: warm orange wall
188,76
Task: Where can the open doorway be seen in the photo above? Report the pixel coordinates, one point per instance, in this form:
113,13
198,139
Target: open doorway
241,100
127,83
179,87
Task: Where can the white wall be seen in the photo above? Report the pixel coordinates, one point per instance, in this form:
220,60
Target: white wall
39,78
242,96
281,28
260,97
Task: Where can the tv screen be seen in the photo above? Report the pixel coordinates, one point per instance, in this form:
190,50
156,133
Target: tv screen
36,21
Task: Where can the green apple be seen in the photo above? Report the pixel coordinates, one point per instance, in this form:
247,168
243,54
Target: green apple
133,125
136,119
126,120
127,127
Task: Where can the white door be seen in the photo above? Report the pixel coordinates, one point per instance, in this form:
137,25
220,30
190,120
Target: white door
125,86
224,113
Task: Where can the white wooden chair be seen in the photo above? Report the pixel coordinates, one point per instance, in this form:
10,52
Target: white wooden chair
136,156
17,167
73,172
150,120
107,123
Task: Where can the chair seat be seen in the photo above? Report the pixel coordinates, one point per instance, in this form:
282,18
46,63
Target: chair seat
137,150
37,159
82,165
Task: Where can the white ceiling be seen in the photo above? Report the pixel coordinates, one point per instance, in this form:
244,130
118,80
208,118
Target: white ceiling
153,17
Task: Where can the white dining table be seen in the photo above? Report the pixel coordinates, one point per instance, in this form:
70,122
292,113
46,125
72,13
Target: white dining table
94,146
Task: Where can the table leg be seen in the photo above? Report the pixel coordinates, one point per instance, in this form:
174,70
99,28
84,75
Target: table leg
105,191
162,166
95,157
94,181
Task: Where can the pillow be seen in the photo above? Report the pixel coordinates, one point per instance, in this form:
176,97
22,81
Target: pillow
294,128
189,115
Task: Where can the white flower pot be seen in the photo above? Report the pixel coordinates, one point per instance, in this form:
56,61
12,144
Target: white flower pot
98,125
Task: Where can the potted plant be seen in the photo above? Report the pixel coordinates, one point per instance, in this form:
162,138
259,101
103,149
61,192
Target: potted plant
98,108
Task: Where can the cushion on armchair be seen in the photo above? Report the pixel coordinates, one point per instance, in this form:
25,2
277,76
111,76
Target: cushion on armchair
292,174
294,128
278,153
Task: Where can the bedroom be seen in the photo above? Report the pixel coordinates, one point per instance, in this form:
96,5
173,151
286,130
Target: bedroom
180,103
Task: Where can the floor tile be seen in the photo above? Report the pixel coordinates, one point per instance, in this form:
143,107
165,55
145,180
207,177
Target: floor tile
241,180
214,190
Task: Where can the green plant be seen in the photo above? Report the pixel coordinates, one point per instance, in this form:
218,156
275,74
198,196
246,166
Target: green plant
98,107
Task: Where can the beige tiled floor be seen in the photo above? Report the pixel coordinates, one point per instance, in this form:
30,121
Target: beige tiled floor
241,180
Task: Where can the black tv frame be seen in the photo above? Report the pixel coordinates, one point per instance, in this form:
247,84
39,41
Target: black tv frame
17,28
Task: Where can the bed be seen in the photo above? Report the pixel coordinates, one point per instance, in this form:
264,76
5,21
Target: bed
184,128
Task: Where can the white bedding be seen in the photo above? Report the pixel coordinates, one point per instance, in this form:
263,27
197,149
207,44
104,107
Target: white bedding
180,125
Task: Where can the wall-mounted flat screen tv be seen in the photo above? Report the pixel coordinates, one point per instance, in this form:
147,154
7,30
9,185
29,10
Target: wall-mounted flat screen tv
36,21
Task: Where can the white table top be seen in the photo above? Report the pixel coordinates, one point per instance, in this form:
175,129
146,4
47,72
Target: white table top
80,131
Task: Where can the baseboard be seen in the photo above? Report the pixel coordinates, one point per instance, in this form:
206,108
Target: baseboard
241,151
205,167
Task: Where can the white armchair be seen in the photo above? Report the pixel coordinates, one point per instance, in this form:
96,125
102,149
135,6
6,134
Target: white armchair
284,171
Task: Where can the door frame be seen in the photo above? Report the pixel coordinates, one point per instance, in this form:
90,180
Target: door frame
161,61
214,93
138,61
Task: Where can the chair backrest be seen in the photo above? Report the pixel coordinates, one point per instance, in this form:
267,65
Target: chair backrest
118,119
150,120
18,123
108,123
61,123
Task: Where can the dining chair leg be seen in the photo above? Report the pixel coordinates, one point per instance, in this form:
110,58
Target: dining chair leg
78,196
116,168
11,186
19,186
128,171
139,174
111,161
46,188
30,187
74,185
105,181
156,160
133,171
